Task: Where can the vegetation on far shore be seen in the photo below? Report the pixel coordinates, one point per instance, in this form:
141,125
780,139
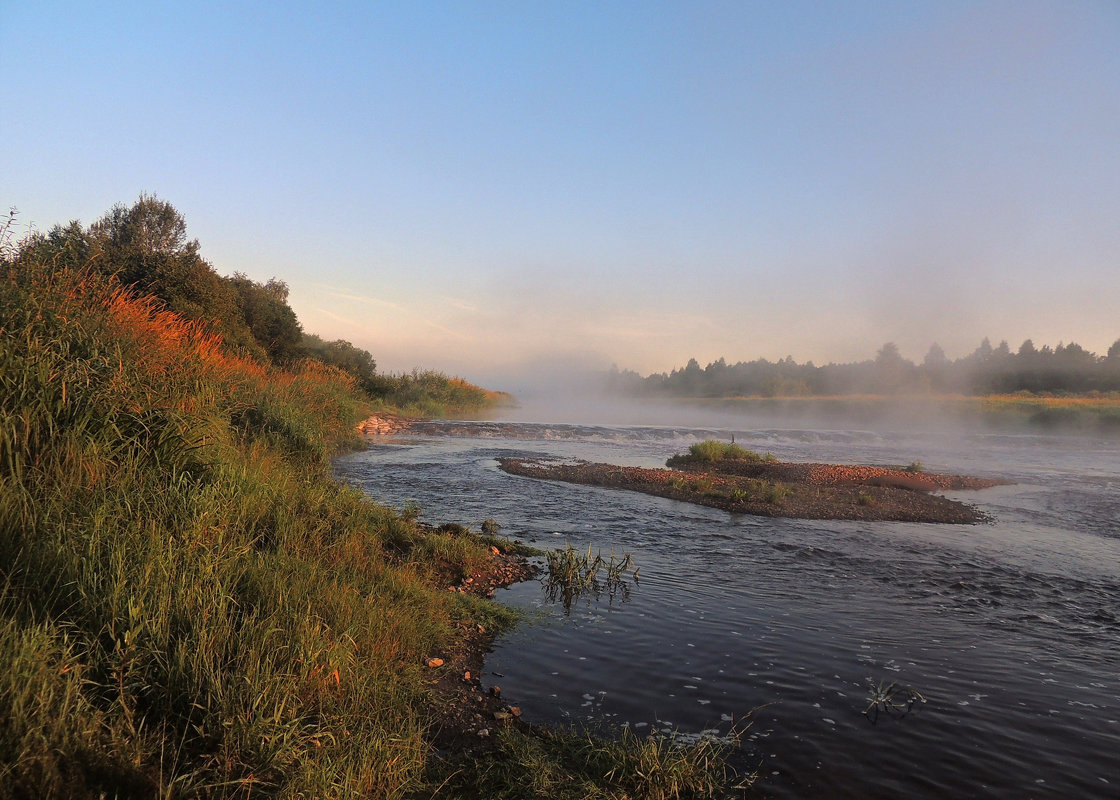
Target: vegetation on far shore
1089,413
190,604
1063,387
1064,370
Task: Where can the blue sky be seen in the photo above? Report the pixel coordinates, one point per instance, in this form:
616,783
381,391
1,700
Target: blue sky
502,188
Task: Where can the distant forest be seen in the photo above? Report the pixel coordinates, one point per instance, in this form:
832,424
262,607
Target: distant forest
1067,369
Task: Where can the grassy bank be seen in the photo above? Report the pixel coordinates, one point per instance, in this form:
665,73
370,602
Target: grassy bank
1088,413
429,393
190,606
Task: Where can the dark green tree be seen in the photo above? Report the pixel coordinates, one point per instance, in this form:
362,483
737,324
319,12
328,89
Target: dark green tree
271,321
146,247
344,355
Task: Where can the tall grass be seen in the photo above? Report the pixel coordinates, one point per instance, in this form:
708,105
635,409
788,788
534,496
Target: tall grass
429,393
189,605
573,573
574,766
711,451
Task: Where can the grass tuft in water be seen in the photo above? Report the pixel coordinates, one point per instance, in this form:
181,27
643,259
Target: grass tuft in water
574,573
890,698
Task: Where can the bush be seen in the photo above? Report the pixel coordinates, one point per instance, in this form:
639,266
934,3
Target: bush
710,450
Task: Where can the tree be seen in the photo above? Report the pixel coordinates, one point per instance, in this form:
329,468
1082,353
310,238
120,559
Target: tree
269,318
891,370
344,355
935,358
146,247
65,247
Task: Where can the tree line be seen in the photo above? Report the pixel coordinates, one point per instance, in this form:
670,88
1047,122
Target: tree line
1066,369
145,247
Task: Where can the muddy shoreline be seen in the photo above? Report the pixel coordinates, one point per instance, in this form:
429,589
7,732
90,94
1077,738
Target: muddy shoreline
467,718
776,489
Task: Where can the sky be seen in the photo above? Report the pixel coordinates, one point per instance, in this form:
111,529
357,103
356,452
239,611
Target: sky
507,189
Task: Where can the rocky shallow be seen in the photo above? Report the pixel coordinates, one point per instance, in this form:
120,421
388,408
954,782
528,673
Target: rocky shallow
384,425
776,489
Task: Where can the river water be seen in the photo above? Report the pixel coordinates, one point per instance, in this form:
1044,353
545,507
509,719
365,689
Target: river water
787,629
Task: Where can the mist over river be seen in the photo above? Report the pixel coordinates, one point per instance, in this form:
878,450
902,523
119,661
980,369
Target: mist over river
1010,630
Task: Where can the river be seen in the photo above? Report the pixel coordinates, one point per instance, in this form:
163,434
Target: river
788,630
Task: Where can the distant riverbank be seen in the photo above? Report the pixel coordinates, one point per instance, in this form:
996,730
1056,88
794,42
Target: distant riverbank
1088,413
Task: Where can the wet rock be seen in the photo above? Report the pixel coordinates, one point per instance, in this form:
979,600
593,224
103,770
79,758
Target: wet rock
435,662
383,425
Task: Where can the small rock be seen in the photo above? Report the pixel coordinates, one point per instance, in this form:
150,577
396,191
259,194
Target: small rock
484,732
495,691
467,677
435,662
515,711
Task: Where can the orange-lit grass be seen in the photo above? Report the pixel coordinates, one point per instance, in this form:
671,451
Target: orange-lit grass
188,604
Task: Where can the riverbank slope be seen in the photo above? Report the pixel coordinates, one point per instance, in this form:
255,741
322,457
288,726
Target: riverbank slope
190,604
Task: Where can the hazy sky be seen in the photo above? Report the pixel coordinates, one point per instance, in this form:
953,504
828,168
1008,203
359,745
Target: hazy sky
479,186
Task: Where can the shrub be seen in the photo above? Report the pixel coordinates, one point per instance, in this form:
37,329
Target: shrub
710,450
775,493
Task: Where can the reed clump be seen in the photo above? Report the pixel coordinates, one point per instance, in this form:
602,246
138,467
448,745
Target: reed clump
573,573
711,451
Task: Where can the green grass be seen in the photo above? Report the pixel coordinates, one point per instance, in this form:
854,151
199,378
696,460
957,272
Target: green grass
573,766
429,393
711,451
190,605
573,573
